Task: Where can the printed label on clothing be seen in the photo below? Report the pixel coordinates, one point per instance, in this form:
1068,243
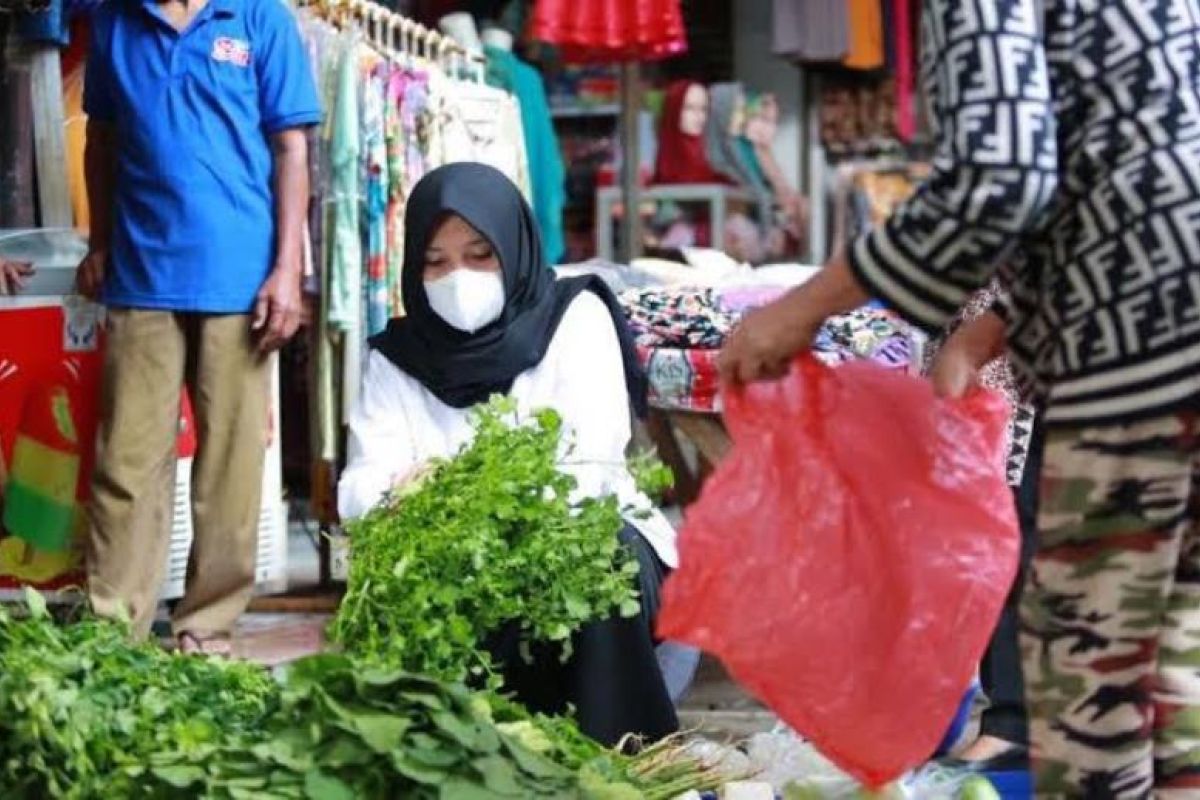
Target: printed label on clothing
233,51
81,324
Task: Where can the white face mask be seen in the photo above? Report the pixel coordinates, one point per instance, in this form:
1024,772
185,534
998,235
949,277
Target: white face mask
467,299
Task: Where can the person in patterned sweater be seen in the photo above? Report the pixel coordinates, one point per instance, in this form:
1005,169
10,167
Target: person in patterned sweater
1068,150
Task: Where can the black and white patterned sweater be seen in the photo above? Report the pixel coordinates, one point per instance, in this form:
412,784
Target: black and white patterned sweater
1069,154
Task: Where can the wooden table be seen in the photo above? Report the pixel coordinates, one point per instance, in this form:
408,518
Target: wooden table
706,432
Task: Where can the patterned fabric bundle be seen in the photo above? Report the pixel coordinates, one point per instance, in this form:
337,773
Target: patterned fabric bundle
687,318
868,333
679,333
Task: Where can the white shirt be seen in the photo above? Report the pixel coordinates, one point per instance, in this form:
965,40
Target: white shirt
397,424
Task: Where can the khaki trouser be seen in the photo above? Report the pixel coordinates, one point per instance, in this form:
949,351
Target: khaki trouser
149,356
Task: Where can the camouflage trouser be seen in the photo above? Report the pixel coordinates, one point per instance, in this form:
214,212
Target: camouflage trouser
1111,618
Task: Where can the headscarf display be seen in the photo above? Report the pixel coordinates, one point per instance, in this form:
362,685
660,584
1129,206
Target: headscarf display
465,369
726,157
681,157
724,102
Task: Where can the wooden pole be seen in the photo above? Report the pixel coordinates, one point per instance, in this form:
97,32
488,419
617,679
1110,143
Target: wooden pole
631,106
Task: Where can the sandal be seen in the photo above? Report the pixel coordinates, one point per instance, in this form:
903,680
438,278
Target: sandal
215,645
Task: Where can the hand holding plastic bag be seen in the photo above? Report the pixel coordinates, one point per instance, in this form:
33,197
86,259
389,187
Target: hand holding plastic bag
849,559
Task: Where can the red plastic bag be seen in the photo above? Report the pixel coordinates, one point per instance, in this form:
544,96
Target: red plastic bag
849,559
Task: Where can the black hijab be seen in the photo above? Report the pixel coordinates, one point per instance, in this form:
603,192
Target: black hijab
465,369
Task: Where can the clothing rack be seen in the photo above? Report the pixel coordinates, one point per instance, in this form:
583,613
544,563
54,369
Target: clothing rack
408,100
398,36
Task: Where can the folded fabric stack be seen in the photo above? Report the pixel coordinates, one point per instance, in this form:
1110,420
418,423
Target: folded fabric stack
868,333
688,318
680,333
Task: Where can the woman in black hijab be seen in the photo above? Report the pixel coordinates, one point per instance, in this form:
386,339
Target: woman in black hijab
486,316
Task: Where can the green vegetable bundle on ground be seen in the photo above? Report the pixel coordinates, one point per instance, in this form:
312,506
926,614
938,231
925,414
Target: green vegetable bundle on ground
81,708
346,733
487,538
86,715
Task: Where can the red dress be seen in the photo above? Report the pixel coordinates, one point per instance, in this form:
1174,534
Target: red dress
611,30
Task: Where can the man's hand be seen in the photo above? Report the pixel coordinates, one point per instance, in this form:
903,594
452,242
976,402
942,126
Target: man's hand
89,277
954,370
13,276
765,344
277,308
977,343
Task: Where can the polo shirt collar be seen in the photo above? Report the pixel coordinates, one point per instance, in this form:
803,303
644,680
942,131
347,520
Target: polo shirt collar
220,8
225,8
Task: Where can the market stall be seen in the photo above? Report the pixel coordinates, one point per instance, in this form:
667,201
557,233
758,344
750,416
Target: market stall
682,315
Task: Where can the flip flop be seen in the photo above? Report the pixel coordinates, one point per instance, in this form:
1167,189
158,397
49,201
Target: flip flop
216,645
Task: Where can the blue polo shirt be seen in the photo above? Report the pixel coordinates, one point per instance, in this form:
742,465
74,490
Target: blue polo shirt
194,226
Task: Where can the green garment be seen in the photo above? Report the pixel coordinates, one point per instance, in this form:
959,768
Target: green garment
345,252
546,172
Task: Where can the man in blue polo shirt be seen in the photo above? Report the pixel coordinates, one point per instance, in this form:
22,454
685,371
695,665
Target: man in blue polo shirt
197,177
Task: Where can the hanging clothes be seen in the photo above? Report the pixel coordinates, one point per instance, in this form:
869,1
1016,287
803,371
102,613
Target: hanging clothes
374,73
483,123
346,260
594,31
394,117
811,31
396,141
324,45
866,47
546,171
905,69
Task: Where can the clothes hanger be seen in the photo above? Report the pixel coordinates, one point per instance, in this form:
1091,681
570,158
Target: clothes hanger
408,34
394,26
379,18
430,42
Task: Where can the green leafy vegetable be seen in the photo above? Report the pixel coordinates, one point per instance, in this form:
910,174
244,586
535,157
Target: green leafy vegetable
490,537
82,710
653,477
86,715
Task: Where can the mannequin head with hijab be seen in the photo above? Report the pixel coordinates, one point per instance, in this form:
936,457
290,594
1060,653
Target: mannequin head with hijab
694,113
681,155
725,122
762,120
